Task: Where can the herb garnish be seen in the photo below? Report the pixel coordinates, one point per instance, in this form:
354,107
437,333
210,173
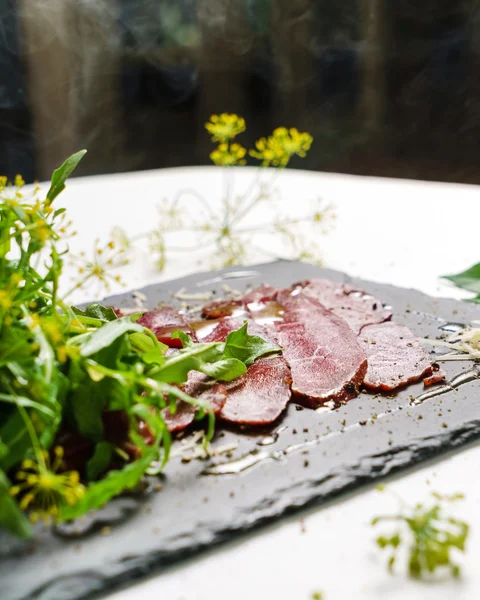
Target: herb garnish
468,280
81,383
431,536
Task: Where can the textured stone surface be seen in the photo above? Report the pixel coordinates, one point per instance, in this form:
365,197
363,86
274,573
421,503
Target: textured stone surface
362,441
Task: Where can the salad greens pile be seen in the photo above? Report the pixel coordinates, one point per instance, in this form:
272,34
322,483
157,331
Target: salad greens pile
83,393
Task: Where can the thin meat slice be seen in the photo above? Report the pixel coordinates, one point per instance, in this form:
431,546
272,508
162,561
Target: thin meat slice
228,307
163,322
322,351
201,387
395,357
356,307
229,324
221,308
261,395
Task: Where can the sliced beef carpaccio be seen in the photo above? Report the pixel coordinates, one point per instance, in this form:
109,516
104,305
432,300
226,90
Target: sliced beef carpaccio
395,357
322,351
201,387
228,307
356,307
163,322
261,395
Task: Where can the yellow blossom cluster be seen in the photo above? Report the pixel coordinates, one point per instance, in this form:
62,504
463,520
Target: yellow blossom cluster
229,155
275,150
225,127
278,148
43,487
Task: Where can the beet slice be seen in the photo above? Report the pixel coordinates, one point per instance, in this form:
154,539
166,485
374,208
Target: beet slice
163,322
355,306
395,357
322,351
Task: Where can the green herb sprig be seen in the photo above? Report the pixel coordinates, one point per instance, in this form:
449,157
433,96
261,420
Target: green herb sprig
81,381
430,534
468,280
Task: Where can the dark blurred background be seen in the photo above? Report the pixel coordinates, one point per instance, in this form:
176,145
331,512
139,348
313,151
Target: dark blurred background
387,88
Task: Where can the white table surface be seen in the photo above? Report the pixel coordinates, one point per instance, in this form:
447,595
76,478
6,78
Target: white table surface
402,232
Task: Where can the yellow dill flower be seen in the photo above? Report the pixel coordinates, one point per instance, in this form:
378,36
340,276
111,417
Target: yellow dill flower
229,154
6,300
7,295
44,489
42,231
278,148
99,268
225,127
3,182
19,181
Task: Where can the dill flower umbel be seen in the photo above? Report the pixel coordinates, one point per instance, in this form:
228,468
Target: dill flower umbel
278,148
228,155
44,489
225,127
100,267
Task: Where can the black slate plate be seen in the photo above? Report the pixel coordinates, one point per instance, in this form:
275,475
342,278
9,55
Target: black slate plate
317,456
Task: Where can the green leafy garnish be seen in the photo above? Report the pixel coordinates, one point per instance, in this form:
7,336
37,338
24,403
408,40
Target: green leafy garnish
468,280
247,348
430,534
88,379
61,174
11,517
100,460
100,492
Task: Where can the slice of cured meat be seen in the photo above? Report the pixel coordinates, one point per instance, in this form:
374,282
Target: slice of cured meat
221,308
163,322
322,351
228,307
198,386
395,357
356,307
261,395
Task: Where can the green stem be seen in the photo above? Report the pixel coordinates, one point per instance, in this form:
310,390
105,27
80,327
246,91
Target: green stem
33,436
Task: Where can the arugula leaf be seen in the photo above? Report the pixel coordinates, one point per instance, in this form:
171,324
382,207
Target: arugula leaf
247,348
223,370
87,407
151,349
115,482
27,403
106,335
199,357
186,340
467,280
100,460
61,174
11,517
15,436
98,311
